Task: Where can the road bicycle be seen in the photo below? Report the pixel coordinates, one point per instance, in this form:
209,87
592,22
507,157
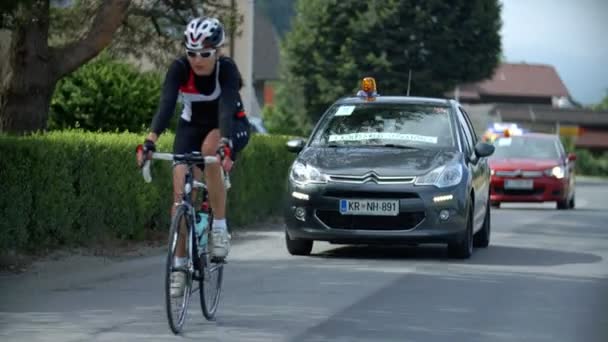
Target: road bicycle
200,266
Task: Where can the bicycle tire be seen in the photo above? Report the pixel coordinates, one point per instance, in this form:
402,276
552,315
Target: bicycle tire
209,305
176,325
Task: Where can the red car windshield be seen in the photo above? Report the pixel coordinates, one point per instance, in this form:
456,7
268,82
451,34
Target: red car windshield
526,148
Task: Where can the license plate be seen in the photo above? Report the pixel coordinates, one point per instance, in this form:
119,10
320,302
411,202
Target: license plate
519,184
369,207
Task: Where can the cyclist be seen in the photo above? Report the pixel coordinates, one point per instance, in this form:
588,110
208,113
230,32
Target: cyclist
212,121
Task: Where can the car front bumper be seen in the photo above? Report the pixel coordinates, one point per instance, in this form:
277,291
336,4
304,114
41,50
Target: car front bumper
418,220
545,189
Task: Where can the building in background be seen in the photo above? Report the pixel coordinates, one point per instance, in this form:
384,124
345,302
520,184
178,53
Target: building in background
535,97
256,52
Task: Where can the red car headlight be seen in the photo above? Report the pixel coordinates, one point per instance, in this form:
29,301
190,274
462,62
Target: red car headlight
557,172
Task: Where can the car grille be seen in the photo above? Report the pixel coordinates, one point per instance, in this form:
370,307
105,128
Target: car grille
518,173
368,194
403,221
518,192
371,177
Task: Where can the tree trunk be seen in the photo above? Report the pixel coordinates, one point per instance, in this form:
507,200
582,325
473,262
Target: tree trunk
34,68
26,89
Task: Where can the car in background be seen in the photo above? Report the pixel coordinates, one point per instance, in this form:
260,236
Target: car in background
532,167
390,170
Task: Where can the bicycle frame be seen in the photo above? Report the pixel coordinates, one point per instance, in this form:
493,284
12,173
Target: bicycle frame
187,201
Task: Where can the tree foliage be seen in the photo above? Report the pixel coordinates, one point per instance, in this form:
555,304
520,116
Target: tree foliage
105,95
48,40
603,105
333,44
153,30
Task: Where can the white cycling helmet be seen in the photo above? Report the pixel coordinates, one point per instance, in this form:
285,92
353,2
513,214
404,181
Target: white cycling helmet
203,33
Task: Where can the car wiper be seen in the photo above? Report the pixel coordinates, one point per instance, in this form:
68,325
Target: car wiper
405,147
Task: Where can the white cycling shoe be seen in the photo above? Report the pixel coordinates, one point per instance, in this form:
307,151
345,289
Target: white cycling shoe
178,283
220,243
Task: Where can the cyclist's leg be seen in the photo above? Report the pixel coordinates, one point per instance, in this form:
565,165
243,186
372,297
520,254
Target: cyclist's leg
188,138
213,175
217,196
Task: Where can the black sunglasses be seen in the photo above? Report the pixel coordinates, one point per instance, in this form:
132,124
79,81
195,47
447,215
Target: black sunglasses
202,54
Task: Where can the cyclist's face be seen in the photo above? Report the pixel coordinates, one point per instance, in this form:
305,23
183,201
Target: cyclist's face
202,62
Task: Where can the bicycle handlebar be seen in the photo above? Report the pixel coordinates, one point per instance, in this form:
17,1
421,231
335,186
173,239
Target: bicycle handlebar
189,158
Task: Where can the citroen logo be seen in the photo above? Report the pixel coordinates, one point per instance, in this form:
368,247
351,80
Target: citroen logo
370,177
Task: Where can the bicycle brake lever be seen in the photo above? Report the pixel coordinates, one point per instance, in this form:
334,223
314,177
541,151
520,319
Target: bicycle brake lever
145,170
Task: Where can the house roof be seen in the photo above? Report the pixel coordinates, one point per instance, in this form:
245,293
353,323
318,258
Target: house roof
549,114
265,49
522,80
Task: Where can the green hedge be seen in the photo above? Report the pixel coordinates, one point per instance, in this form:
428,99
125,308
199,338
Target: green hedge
74,187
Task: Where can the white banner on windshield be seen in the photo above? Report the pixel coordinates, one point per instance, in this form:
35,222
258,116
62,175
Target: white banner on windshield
382,135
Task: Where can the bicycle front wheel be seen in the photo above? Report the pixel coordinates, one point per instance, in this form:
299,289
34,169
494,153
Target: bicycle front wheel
177,297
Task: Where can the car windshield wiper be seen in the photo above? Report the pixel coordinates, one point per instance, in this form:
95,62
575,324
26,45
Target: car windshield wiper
405,147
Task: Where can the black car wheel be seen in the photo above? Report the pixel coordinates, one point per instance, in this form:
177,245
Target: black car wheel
297,246
482,238
463,249
562,205
572,202
495,205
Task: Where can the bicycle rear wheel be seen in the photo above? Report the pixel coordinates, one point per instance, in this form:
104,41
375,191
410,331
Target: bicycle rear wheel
177,306
210,282
210,287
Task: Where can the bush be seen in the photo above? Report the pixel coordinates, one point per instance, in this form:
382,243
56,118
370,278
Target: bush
586,163
74,187
284,122
105,95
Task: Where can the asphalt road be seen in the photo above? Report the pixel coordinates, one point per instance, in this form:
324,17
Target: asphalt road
543,278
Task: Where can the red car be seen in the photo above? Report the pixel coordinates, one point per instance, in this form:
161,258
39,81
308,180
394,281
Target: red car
532,167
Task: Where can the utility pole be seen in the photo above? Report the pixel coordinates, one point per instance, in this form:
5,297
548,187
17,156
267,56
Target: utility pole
248,67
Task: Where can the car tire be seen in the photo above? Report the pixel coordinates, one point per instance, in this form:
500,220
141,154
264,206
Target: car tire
482,238
298,246
463,249
572,202
495,205
562,205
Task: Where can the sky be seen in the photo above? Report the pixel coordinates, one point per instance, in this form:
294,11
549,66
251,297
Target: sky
570,35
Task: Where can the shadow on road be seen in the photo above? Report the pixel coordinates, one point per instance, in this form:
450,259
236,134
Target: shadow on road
493,255
545,209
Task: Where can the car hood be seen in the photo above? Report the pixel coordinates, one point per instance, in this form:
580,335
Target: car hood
384,161
511,164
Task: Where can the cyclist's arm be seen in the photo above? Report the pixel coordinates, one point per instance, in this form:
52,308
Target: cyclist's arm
168,99
230,80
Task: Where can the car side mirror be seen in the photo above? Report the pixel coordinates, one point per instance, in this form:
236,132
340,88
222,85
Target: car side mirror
571,156
295,145
483,149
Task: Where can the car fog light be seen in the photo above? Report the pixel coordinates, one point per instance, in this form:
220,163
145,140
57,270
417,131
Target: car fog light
300,213
300,195
444,214
444,198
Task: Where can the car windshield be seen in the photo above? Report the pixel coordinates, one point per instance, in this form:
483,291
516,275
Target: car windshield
525,147
386,124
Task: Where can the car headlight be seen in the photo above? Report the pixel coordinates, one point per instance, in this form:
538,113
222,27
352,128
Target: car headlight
557,172
306,174
442,177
